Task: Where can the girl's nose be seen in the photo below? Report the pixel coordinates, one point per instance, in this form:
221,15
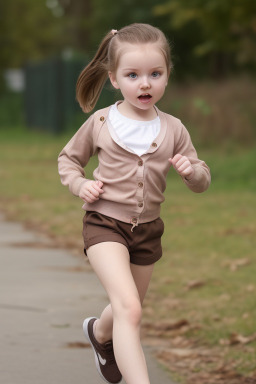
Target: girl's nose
145,82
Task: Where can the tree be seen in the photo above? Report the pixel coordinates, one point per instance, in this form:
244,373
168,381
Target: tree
115,15
227,29
76,22
28,30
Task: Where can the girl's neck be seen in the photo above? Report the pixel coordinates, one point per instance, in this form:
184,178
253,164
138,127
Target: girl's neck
136,113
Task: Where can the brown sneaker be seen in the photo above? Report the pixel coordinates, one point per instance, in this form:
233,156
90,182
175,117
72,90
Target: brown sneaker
104,354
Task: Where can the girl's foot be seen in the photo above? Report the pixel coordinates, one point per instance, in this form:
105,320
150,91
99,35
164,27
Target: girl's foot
104,354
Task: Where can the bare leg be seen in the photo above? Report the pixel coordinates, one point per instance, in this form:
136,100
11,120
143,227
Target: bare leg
103,328
111,263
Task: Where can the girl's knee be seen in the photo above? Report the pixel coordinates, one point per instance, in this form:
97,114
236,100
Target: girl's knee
133,311
130,310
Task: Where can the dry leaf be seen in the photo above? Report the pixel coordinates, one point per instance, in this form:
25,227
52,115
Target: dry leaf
236,338
180,352
234,265
164,326
250,288
178,324
195,284
180,341
77,344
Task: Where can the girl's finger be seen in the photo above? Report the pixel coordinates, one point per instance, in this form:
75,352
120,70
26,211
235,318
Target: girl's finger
183,166
96,187
92,193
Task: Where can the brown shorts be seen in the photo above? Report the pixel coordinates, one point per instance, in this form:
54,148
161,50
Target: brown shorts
143,244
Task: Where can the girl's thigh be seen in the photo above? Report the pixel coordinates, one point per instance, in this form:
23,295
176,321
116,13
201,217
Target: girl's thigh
111,263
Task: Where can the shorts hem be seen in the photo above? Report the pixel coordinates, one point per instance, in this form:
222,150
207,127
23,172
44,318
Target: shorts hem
104,239
145,260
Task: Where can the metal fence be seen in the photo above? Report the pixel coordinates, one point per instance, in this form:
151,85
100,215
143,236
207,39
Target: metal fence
50,102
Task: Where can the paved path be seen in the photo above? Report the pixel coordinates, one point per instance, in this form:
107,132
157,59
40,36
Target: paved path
45,293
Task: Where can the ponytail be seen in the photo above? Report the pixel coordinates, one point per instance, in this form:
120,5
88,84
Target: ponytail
93,77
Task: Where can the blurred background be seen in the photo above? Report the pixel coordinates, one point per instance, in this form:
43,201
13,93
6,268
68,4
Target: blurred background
45,44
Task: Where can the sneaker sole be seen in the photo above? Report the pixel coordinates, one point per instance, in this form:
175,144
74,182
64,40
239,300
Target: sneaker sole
85,329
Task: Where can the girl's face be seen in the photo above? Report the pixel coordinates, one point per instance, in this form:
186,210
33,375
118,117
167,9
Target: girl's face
141,76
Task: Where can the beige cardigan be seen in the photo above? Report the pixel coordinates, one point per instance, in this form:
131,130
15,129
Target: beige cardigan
133,185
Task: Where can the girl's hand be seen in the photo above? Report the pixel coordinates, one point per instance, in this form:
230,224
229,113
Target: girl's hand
91,190
183,166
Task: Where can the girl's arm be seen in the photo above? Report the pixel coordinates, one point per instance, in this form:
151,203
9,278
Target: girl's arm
194,172
74,157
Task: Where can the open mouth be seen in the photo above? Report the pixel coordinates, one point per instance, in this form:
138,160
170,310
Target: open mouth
145,97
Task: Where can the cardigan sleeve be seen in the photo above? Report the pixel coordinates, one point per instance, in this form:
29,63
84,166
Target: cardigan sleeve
202,177
75,155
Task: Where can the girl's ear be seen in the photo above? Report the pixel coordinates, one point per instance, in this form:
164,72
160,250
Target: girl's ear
112,79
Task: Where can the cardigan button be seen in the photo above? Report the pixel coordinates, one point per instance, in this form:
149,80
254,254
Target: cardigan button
102,118
140,163
154,145
140,185
140,205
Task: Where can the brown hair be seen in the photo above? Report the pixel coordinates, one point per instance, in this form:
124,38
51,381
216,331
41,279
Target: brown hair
94,75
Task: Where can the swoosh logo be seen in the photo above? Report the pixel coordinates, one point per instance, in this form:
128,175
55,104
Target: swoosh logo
102,361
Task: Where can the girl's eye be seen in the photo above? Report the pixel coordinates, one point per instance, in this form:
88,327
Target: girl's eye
155,74
132,75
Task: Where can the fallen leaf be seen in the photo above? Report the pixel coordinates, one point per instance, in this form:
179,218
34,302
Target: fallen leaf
176,325
180,352
180,341
166,326
250,288
234,265
195,284
77,344
236,338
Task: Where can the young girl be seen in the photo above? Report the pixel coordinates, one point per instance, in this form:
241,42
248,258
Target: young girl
136,144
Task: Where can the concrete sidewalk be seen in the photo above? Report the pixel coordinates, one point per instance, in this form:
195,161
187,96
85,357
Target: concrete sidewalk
45,294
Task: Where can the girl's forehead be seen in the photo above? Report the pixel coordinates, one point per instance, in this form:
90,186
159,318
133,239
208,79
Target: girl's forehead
134,52
135,48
